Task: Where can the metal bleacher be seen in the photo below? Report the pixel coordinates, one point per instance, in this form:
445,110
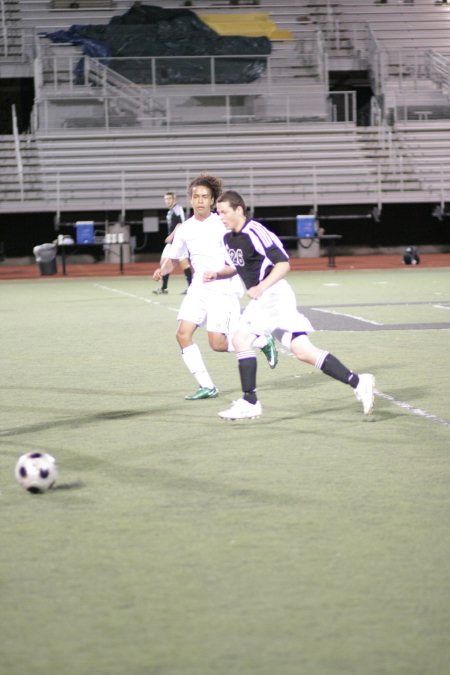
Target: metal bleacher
396,41
105,143
271,167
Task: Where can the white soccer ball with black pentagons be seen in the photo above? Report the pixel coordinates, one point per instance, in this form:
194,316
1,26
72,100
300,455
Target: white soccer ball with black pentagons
36,471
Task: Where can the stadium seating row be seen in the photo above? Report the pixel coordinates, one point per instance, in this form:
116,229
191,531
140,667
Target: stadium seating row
316,165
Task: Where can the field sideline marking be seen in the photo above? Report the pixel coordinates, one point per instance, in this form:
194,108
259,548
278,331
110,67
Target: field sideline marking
387,397
350,316
414,411
136,297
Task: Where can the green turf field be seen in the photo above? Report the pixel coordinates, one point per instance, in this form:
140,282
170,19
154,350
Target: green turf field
312,541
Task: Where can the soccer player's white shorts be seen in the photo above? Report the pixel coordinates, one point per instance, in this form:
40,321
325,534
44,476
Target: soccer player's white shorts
205,306
276,310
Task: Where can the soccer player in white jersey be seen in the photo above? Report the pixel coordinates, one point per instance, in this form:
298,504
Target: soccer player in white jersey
175,215
214,304
258,256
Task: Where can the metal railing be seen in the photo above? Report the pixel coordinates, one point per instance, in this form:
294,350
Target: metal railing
405,111
4,28
376,64
116,110
17,44
342,106
404,76
322,59
153,71
211,70
17,151
437,67
124,190
70,76
165,113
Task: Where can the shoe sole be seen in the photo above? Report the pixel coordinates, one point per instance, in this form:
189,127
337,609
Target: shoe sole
272,364
239,419
201,398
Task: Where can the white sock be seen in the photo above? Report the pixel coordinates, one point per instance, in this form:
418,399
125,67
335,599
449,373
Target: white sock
260,341
193,359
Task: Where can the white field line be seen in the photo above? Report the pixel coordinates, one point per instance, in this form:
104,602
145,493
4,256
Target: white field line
350,316
401,404
414,411
142,298
442,306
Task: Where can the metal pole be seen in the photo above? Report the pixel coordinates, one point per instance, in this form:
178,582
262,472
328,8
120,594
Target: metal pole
314,189
58,197
379,185
153,67
106,113
122,213
17,149
213,72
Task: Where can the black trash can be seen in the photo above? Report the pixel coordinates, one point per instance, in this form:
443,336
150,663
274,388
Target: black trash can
48,268
45,255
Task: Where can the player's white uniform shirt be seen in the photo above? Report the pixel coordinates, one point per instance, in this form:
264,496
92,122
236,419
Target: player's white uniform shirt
253,252
214,303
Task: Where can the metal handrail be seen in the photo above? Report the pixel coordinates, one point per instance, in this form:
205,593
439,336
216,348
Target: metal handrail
120,189
161,112
58,67
25,36
438,69
376,63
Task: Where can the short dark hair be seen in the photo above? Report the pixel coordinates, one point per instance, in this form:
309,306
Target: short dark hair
170,194
233,198
213,183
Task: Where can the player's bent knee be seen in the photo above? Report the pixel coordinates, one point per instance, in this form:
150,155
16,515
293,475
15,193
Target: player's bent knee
183,337
242,340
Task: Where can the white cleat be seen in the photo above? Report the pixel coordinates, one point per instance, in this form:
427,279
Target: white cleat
242,410
364,392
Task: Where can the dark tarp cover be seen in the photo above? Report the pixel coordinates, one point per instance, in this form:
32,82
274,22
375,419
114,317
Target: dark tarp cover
148,30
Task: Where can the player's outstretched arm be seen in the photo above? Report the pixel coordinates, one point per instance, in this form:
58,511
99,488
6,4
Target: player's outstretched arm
225,273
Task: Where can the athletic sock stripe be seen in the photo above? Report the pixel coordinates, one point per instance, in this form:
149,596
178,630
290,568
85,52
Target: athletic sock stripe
319,363
248,354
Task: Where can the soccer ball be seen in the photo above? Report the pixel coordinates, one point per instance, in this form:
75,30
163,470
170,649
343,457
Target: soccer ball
36,472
